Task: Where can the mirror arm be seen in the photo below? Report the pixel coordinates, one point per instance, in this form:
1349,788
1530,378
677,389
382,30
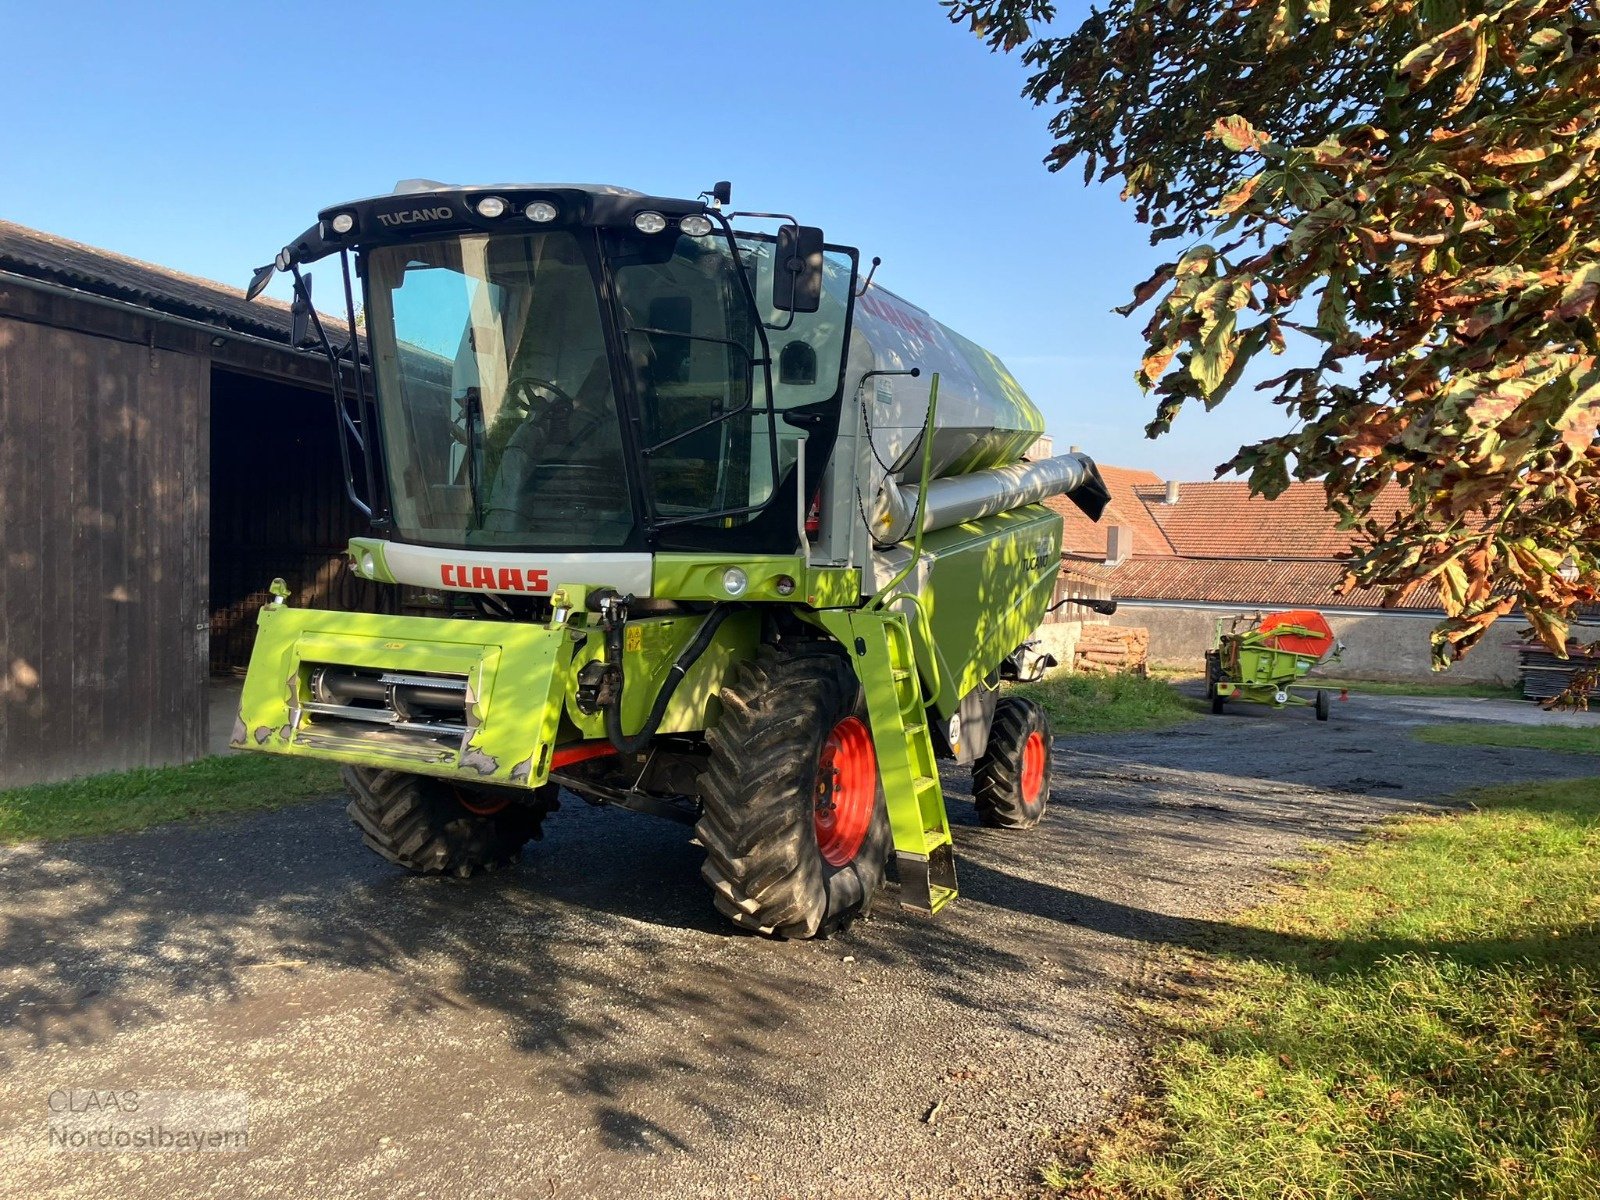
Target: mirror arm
345,428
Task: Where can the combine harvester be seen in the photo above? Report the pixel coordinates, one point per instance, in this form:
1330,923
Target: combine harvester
746,541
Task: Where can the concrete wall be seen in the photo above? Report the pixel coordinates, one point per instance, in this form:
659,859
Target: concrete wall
1391,646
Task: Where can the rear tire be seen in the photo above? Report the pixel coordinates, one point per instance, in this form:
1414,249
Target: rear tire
783,858
1011,782
1324,705
433,827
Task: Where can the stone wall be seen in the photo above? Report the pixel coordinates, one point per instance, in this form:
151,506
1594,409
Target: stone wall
1388,646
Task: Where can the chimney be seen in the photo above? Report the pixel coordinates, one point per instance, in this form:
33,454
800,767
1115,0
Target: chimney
1172,492
1119,544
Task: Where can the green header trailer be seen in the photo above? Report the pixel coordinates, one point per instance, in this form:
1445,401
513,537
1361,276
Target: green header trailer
1264,663
738,539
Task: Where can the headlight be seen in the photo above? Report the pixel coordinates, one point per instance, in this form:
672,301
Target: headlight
343,223
695,225
540,211
734,581
649,222
491,207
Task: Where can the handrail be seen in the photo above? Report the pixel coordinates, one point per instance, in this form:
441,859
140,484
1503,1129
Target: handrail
926,624
877,600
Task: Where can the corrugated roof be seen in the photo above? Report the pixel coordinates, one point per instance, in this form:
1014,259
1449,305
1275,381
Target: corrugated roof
105,273
1223,520
1086,537
1272,582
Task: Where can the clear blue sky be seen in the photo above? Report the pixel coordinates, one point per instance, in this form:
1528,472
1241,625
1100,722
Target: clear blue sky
204,136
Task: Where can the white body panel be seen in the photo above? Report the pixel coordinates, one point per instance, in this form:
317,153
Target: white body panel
515,573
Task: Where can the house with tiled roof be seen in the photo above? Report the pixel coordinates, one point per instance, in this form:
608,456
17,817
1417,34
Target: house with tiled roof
1179,557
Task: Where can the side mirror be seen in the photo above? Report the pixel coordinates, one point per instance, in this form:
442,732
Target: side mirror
259,281
300,313
797,269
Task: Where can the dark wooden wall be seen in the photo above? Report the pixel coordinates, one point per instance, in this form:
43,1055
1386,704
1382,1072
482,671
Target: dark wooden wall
278,508
103,572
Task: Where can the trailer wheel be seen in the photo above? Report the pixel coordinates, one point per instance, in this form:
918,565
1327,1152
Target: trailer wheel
433,827
1214,677
793,820
1011,782
1324,704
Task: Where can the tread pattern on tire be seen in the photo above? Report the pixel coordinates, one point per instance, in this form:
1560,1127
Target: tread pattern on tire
757,795
416,822
997,776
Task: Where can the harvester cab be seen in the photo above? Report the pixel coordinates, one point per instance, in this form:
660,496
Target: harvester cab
741,540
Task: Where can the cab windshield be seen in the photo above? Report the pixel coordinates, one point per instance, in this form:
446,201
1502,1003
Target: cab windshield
504,420
500,422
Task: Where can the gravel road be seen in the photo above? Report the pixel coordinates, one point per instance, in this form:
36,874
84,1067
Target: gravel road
583,1026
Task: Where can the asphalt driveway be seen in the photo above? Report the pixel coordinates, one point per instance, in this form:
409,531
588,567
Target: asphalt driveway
584,1026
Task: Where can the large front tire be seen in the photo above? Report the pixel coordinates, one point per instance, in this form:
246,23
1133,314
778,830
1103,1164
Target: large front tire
433,827
793,819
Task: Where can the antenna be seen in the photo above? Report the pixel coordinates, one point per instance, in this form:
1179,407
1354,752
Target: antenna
867,282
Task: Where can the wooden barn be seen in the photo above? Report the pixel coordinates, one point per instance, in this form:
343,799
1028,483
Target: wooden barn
164,454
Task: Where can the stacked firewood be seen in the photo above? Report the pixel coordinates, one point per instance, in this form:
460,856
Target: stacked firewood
1113,649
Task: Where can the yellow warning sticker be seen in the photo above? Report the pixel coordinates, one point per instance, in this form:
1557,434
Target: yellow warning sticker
632,638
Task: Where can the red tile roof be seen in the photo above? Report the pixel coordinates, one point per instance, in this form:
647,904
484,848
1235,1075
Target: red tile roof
1274,583
1223,520
1220,545
1088,538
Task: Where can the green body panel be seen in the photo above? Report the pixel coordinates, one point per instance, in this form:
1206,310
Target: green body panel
521,685
699,577
515,676
650,645
360,548
982,591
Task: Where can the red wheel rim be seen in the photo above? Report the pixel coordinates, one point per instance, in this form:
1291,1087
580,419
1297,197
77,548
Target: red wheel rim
847,791
481,808
1033,758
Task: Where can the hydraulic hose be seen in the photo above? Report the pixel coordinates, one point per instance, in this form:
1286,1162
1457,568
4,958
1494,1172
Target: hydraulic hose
691,653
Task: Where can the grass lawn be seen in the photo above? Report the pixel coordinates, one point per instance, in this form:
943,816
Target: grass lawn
134,799
1421,1018
1489,691
1565,739
1084,703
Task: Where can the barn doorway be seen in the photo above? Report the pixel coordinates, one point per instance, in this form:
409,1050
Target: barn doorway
278,508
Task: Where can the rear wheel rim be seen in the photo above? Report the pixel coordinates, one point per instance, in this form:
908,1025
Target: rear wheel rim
847,791
488,806
1033,759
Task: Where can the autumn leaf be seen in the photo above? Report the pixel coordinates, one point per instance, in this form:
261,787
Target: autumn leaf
1148,288
1238,134
1238,197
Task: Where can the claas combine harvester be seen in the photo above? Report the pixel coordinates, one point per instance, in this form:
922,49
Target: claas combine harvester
746,541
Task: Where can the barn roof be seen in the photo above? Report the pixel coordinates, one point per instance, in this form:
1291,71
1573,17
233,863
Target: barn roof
1242,581
58,260
1086,537
1223,520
